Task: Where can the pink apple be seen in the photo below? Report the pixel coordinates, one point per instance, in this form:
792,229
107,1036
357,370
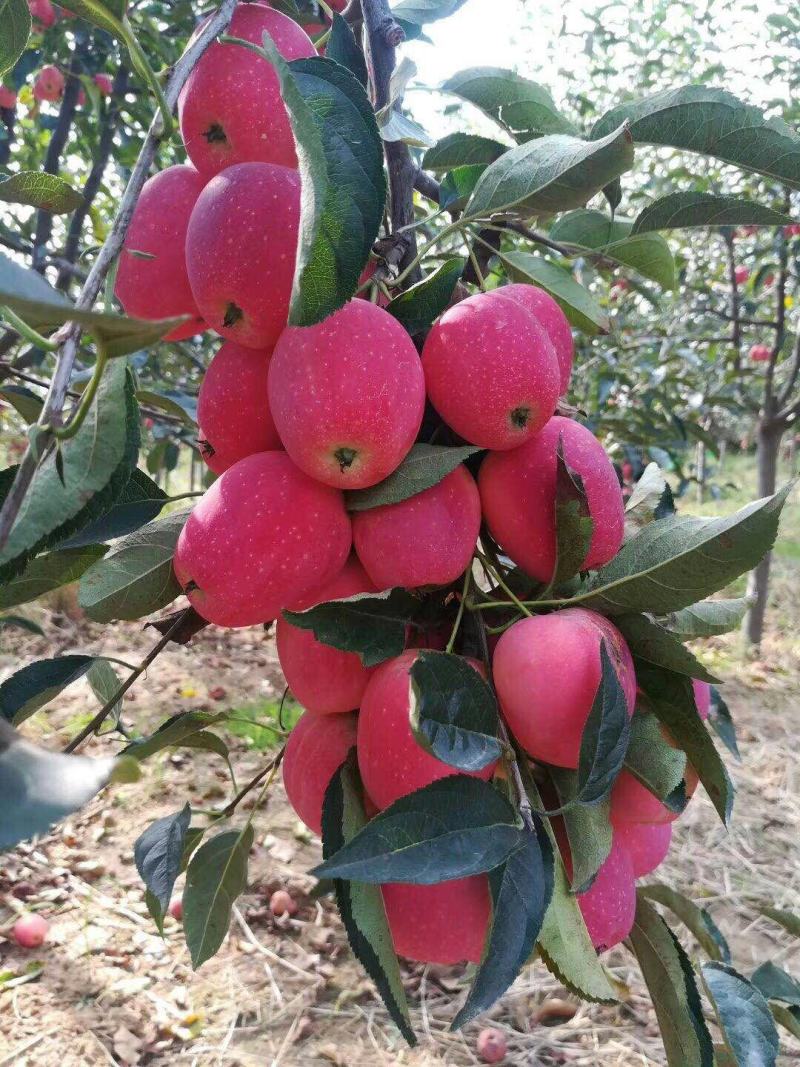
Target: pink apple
444,923
30,931
49,84
555,322
647,844
317,747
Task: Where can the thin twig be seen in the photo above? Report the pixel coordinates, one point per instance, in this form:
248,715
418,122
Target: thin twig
71,333
251,785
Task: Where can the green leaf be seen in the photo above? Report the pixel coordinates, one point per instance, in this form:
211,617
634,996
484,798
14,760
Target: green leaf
343,184
21,623
453,711
553,173
671,982
452,828
787,1017
180,405
46,573
671,697
573,521
655,644
522,107
588,829
655,763
521,892
372,625
715,123
361,905
462,150
139,502
650,500
40,787
97,464
743,1015
24,401
706,619
577,303
33,686
457,186
107,14
787,919
43,307
697,920
15,29
422,11
342,48
721,721
177,730
649,254
216,875
158,852
423,467
43,191
135,578
682,211
417,307
776,984
671,564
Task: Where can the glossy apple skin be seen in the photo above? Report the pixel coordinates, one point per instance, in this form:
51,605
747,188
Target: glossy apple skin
348,395
324,679
391,762
555,323
158,287
444,923
262,536
317,747
647,844
48,84
609,906
30,931
425,540
233,415
241,246
230,109
546,671
491,371
518,494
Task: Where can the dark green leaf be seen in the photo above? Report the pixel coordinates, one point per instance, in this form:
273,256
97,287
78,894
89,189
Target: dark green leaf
787,919
342,48
649,254
605,737
453,711
457,185
553,173
671,982
671,697
776,984
462,150
48,572
21,623
177,730
417,307
521,892
577,303
24,401
135,578
216,876
522,107
104,683
343,187
15,28
675,562
653,643
97,463
361,905
650,500
715,123
697,920
588,829
33,686
573,522
452,828
423,467
787,1017
721,721
139,502
181,405
43,307
106,14
743,1014
686,210
653,761
423,11
158,853
44,191
373,626
706,619
40,787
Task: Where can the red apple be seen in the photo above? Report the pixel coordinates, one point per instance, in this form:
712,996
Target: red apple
444,923
30,931
555,322
8,98
42,12
760,353
647,844
317,747
48,84
104,83
282,903
491,1045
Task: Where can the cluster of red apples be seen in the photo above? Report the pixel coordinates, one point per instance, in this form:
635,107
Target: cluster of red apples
292,417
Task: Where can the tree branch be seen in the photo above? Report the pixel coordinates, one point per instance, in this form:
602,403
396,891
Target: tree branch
736,329
54,402
8,117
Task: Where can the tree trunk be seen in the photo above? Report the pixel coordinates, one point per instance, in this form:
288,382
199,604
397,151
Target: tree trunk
768,444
